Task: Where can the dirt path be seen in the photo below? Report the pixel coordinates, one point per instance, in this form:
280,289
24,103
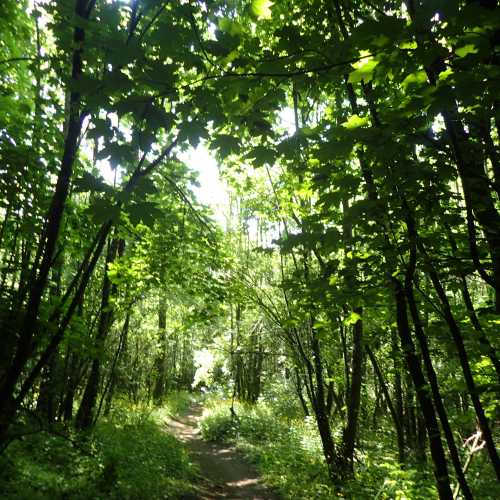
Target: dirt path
225,474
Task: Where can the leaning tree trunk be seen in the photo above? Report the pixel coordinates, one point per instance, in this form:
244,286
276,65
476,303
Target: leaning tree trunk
39,274
425,402
469,160
85,415
464,363
320,411
425,352
398,424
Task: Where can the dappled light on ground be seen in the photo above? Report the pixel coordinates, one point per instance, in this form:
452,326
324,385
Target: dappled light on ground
224,473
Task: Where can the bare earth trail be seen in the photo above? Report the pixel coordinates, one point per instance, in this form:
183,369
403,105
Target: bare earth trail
225,474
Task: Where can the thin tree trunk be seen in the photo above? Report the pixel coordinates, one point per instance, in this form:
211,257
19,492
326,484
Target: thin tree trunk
346,460
464,362
440,468
425,351
159,387
85,415
395,417
469,159
47,244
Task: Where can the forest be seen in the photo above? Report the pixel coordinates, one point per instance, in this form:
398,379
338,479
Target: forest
331,316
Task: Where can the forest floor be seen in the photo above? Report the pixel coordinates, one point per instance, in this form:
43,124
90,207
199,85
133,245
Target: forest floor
224,472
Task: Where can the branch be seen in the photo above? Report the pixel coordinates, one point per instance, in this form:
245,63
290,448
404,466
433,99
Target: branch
186,200
151,22
265,74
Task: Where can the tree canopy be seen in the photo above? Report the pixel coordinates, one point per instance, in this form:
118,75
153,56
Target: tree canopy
357,275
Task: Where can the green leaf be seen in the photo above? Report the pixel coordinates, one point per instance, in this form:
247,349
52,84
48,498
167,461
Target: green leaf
374,34
331,239
226,144
262,9
192,131
145,187
216,48
101,128
25,108
135,104
88,182
353,318
117,81
228,26
145,212
102,210
363,72
157,117
416,78
466,50
118,154
333,149
355,121
445,74
85,85
262,156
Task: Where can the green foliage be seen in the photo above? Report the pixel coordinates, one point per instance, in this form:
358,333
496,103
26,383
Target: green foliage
357,155
219,426
175,404
129,455
288,453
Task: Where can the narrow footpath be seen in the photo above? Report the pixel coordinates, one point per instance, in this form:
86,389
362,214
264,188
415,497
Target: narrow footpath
225,474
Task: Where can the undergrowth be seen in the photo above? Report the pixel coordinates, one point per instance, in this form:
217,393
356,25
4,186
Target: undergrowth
287,451
128,455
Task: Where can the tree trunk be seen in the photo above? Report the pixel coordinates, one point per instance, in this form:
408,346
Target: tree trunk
469,159
464,362
320,412
159,387
395,417
47,244
85,415
440,468
346,461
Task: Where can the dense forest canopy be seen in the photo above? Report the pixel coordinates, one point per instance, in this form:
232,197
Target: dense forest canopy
355,281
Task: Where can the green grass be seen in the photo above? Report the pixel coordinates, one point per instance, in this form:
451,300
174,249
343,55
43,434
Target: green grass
288,453
128,456
174,405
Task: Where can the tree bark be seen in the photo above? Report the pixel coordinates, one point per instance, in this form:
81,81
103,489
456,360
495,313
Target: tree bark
346,461
395,417
159,387
47,244
440,468
464,362
85,415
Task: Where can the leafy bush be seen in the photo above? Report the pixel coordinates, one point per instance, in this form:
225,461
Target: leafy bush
277,396
289,455
141,460
219,426
128,456
178,402
286,451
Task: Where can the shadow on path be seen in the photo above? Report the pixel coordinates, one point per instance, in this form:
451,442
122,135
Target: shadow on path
225,474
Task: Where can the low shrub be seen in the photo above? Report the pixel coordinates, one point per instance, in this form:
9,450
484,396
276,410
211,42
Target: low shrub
286,451
127,456
177,403
219,426
289,456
